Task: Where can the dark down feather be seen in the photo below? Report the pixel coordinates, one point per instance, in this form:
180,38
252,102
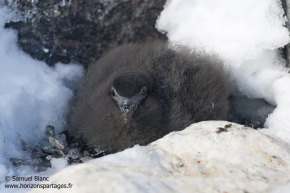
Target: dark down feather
136,94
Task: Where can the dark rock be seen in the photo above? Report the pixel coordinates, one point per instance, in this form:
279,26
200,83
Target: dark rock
82,30
49,131
40,165
48,150
18,162
52,151
75,152
96,152
84,159
286,50
59,154
23,145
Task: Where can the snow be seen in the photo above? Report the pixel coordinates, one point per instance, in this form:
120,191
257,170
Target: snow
235,29
32,95
246,35
196,159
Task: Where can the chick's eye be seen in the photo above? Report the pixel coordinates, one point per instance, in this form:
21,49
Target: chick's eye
113,93
143,92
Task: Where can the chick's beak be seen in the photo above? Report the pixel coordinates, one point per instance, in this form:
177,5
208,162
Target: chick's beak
128,105
127,110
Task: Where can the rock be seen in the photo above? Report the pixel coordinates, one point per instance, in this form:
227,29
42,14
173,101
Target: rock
56,143
40,164
85,159
81,30
74,154
286,49
49,131
49,157
49,150
72,150
197,159
18,162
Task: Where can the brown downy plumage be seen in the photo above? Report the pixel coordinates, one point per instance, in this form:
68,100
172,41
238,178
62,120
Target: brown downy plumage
136,94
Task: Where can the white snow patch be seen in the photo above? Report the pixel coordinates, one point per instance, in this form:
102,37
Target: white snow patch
246,35
58,164
236,29
32,95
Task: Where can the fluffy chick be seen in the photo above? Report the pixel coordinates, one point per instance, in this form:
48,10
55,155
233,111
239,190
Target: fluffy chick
137,93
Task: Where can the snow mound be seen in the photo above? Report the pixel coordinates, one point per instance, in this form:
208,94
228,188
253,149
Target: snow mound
246,35
205,157
236,29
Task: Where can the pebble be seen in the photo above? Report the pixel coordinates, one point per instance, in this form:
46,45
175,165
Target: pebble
49,131
85,159
56,143
75,153
18,162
